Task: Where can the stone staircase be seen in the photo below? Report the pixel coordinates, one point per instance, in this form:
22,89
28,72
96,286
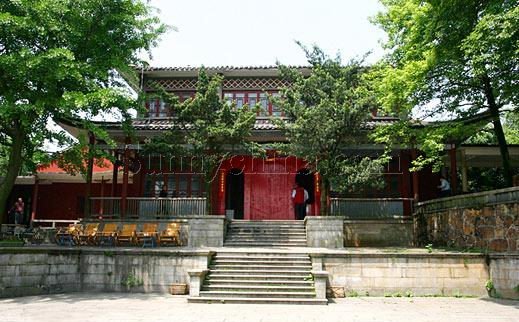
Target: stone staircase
266,233
247,276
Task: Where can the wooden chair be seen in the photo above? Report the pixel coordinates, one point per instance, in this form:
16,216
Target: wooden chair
69,235
148,236
127,234
108,235
87,236
171,235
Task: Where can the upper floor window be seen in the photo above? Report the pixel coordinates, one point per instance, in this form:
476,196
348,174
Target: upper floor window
252,99
157,108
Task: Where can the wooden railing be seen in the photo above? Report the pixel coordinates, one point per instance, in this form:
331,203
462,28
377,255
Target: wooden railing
370,208
146,208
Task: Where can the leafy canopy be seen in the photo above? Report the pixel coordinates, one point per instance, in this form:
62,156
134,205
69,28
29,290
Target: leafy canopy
328,111
58,61
454,60
207,130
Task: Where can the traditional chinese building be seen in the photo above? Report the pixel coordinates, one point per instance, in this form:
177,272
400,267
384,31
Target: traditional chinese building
247,187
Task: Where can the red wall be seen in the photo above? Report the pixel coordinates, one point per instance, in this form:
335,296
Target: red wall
61,200
268,185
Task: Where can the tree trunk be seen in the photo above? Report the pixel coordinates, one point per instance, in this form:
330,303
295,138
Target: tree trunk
325,192
498,130
13,168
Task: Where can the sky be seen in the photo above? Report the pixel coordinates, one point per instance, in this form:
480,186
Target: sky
261,32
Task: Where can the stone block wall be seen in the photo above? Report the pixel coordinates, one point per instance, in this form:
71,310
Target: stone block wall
492,225
32,272
56,270
504,272
412,274
378,233
325,232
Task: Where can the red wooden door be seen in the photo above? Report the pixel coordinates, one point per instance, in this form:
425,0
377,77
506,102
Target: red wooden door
270,191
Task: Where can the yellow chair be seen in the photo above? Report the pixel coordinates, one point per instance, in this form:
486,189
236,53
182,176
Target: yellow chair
148,235
69,235
127,234
108,235
87,236
171,235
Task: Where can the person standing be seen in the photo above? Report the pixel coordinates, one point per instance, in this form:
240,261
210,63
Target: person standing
18,208
164,192
299,198
445,187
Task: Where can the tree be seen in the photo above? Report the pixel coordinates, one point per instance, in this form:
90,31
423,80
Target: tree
58,59
455,59
328,112
207,130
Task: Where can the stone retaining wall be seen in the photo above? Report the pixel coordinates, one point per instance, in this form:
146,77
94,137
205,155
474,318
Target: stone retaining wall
378,233
26,271
504,272
487,220
395,274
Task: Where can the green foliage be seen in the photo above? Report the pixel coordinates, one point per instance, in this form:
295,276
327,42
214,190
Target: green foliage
131,281
208,130
429,248
328,111
59,61
448,59
489,285
352,293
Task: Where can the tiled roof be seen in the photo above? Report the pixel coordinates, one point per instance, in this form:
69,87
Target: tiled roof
162,124
216,68
261,124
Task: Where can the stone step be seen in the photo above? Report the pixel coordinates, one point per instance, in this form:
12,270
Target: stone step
256,294
266,240
254,288
266,232
268,222
265,244
273,228
258,276
261,257
260,267
271,224
273,282
299,232
262,262
263,300
300,273
261,252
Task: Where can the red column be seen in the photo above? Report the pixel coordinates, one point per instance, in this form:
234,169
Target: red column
101,207
89,175
317,194
416,182
124,190
454,177
114,175
34,205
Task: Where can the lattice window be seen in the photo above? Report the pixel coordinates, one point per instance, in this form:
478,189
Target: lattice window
264,83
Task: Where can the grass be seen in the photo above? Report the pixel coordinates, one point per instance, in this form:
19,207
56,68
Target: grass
11,243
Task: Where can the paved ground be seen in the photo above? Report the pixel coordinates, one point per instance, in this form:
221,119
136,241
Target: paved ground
156,308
